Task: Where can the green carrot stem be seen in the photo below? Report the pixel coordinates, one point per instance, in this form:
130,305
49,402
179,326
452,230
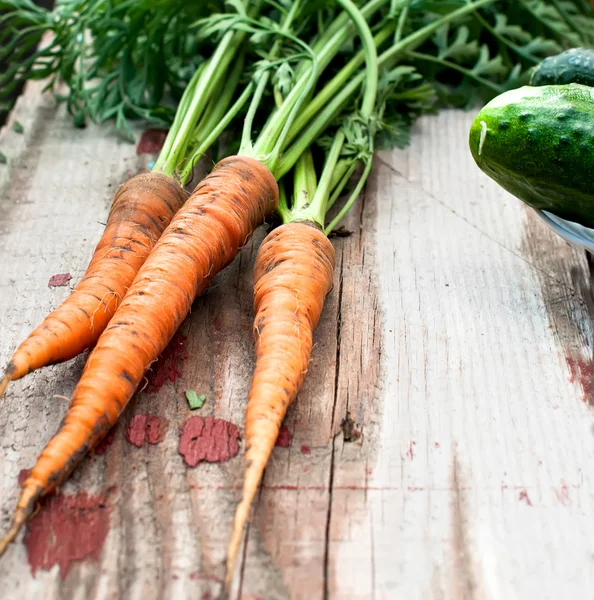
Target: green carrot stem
346,173
246,145
349,203
324,54
177,141
304,181
161,165
278,97
217,130
326,94
370,52
220,100
401,23
267,139
283,206
339,92
342,25
316,211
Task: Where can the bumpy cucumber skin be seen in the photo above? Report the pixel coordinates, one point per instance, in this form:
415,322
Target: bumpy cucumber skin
572,66
538,144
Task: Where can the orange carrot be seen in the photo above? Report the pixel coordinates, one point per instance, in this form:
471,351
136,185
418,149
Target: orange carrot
293,274
141,209
203,237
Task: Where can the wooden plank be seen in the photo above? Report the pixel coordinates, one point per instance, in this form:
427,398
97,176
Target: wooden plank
457,339
479,484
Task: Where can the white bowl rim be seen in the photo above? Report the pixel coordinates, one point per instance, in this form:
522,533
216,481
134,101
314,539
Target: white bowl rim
573,233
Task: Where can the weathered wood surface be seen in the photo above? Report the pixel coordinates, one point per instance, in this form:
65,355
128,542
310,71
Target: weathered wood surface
458,339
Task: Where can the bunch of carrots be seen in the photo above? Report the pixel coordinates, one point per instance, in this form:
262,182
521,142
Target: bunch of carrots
304,92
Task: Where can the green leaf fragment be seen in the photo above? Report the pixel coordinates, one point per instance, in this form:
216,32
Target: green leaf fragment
17,127
3,160
194,400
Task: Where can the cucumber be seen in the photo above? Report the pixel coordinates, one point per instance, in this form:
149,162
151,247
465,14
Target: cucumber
538,144
573,66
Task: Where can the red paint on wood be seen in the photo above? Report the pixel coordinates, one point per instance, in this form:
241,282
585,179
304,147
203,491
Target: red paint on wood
169,365
105,443
145,429
209,439
411,450
59,280
151,141
68,529
305,449
23,474
197,577
284,437
524,496
582,371
562,494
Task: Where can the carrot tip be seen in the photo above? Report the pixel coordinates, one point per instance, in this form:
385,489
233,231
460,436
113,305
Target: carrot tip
4,385
232,552
19,518
252,480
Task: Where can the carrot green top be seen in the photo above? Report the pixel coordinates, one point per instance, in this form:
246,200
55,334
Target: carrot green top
275,78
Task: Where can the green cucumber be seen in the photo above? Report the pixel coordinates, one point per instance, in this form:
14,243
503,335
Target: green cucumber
572,66
538,144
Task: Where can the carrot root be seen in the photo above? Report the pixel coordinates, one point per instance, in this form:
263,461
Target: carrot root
24,510
292,276
4,384
17,522
203,237
141,209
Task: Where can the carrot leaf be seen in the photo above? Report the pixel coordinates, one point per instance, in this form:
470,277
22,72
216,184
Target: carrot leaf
194,400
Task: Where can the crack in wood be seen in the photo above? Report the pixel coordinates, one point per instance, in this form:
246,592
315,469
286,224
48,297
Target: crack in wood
465,584
454,212
333,445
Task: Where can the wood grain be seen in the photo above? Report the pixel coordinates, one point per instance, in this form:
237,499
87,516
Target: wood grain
441,443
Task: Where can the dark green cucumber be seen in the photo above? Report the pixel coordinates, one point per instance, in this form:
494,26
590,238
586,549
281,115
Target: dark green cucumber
538,144
572,66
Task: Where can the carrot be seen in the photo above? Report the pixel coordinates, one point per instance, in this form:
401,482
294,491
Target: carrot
292,276
141,209
203,237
